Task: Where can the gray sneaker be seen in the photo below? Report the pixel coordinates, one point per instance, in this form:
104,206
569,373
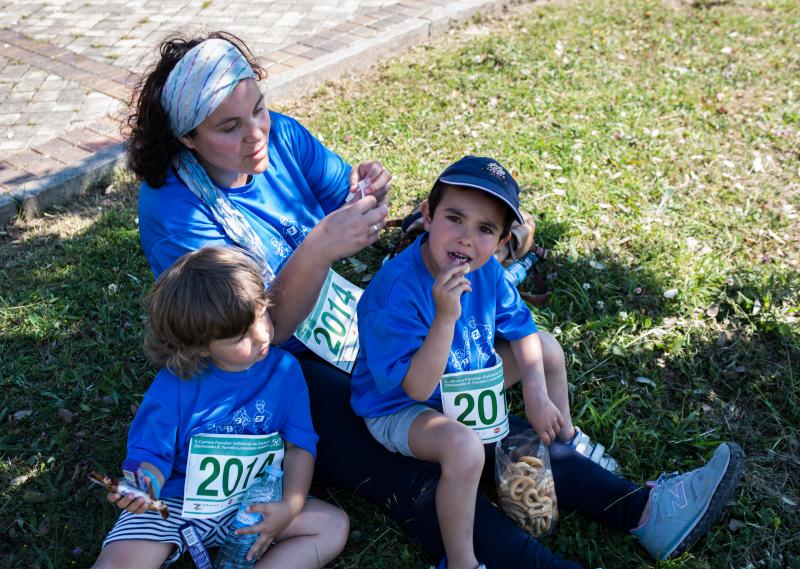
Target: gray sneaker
684,507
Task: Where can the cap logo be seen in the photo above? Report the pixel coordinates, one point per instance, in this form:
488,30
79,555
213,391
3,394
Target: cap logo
496,170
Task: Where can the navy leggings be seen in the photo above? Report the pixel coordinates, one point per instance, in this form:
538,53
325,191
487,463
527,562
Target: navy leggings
405,487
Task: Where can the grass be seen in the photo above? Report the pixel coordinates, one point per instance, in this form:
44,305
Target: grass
658,144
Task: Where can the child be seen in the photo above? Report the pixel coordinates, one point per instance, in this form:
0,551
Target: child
434,312
221,383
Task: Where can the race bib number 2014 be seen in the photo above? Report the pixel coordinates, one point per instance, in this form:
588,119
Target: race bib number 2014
331,330
221,467
478,400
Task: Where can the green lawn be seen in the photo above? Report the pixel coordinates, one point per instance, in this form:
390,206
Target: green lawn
658,144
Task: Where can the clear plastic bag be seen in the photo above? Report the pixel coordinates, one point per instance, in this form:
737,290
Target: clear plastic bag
525,486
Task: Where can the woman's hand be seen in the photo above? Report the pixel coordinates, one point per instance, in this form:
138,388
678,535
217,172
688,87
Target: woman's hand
377,178
349,229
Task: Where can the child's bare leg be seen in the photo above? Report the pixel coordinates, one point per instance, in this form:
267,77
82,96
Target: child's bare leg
134,554
311,540
458,450
555,376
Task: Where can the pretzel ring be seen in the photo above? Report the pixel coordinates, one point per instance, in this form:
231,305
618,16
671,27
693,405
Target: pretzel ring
532,461
519,485
530,497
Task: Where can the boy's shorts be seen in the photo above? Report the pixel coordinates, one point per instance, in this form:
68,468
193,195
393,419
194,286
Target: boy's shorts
150,526
392,430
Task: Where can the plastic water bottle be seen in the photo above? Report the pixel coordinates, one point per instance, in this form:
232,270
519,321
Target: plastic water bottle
517,270
233,553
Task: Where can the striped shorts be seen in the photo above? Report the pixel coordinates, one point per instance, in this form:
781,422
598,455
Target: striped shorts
150,526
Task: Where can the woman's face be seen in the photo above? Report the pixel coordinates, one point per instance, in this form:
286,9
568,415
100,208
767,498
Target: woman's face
232,142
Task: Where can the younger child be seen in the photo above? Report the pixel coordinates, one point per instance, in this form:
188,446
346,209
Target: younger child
224,405
443,307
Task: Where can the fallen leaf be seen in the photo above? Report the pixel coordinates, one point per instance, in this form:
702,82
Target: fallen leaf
645,381
788,502
597,265
712,311
19,415
32,497
671,293
735,525
66,415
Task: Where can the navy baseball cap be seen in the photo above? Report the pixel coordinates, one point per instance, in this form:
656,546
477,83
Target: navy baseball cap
487,175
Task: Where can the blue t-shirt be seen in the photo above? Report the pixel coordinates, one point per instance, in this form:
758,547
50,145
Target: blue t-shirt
270,396
303,182
396,312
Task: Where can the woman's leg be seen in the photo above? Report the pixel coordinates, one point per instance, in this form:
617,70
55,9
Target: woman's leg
311,540
458,450
555,376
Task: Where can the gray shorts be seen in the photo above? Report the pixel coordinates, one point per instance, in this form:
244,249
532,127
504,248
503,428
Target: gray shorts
150,526
392,430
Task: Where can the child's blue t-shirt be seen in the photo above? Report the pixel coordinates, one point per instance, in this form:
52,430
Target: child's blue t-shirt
270,396
397,310
303,182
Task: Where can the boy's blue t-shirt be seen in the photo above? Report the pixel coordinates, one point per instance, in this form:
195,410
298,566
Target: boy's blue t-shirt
303,182
270,396
397,310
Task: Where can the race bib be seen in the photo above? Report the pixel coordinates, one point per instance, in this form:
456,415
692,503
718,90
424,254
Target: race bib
478,400
221,467
331,330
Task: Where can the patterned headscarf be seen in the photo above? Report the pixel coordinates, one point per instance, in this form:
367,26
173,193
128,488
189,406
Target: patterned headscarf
196,86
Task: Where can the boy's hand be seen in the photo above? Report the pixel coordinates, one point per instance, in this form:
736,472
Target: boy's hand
447,290
545,418
277,515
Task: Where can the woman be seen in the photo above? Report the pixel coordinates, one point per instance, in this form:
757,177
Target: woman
218,168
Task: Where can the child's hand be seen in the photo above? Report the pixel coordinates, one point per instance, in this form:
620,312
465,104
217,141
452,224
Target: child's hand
545,418
448,288
129,503
277,515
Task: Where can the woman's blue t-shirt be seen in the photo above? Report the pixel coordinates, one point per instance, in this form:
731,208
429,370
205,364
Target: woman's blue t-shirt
303,182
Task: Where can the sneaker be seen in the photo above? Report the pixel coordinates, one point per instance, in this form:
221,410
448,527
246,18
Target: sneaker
593,451
684,507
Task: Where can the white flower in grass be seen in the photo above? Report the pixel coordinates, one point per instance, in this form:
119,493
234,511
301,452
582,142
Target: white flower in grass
586,286
601,304
113,288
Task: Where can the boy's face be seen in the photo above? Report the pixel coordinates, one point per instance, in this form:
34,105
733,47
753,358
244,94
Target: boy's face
465,228
241,352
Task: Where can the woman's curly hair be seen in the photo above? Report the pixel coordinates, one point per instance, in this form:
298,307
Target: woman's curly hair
149,142
209,294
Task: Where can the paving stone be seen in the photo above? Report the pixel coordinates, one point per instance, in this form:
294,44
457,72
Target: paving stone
63,151
34,163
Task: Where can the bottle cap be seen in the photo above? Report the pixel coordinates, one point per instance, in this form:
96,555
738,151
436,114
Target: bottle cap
274,471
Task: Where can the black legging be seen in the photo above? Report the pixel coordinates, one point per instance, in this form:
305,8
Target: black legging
349,458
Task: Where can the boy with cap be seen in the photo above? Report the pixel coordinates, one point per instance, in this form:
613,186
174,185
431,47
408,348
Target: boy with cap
435,310
428,322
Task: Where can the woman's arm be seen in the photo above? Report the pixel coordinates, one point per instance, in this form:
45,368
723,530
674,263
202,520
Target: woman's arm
340,233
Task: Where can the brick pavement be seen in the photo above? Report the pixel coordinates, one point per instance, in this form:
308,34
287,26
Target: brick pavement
67,66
